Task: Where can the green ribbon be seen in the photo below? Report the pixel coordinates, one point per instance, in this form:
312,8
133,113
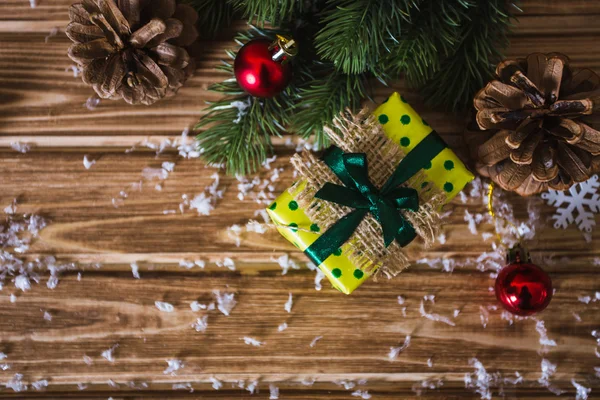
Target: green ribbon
359,193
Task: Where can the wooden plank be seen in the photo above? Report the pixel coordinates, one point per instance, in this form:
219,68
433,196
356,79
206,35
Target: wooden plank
87,319
87,227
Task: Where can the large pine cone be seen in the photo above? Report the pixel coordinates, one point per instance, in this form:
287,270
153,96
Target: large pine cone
134,49
534,125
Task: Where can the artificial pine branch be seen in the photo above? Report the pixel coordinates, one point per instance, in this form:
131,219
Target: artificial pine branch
474,60
358,32
212,16
323,98
274,12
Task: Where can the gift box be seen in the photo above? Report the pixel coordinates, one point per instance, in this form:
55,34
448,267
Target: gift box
381,186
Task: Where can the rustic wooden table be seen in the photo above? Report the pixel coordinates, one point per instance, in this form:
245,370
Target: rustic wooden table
99,304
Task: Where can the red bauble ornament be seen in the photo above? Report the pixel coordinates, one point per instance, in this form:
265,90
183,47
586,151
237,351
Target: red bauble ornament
261,67
523,288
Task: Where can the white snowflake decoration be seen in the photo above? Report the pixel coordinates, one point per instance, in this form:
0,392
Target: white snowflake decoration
577,205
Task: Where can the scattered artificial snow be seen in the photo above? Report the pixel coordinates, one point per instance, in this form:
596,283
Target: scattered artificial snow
435,317
401,300
484,316
173,367
109,353
315,340
548,369
429,297
582,391
227,263
191,264
544,340
576,316
273,392
87,164
20,147
394,351
92,102
252,341
584,299
286,263
87,360
75,69
363,394
16,383
482,381
205,202
225,301
135,270
282,327
13,298
81,386
216,384
164,307
252,386
195,306
426,384
308,381
318,278
183,386
22,282
288,304
201,324
40,385
47,316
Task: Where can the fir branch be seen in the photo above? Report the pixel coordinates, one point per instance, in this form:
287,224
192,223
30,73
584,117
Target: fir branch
357,33
325,97
273,12
213,15
483,38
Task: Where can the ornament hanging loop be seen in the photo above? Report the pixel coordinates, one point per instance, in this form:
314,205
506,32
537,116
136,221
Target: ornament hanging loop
284,49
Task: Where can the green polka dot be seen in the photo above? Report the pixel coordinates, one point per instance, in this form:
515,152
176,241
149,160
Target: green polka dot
383,119
293,205
405,119
273,206
294,225
358,274
336,272
448,187
338,252
403,99
425,122
404,141
449,165
428,165
315,228
424,184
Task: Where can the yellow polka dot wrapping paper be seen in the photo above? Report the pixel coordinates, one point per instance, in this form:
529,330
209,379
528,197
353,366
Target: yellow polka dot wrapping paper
402,125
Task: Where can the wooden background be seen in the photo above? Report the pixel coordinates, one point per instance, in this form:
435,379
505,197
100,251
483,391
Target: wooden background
43,104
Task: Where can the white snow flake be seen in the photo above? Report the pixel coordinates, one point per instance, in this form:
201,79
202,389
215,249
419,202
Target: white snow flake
582,391
362,394
577,205
394,351
201,324
252,342
164,307
108,354
273,392
288,304
173,367
87,163
315,340
216,384
225,301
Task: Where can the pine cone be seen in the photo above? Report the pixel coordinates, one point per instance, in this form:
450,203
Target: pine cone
536,123
134,49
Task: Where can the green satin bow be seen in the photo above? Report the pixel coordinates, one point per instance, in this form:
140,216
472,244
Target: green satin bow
359,193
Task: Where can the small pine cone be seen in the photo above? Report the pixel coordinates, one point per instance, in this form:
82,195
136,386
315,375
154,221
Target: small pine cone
534,125
132,49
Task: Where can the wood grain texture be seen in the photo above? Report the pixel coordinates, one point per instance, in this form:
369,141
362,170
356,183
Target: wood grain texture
42,104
